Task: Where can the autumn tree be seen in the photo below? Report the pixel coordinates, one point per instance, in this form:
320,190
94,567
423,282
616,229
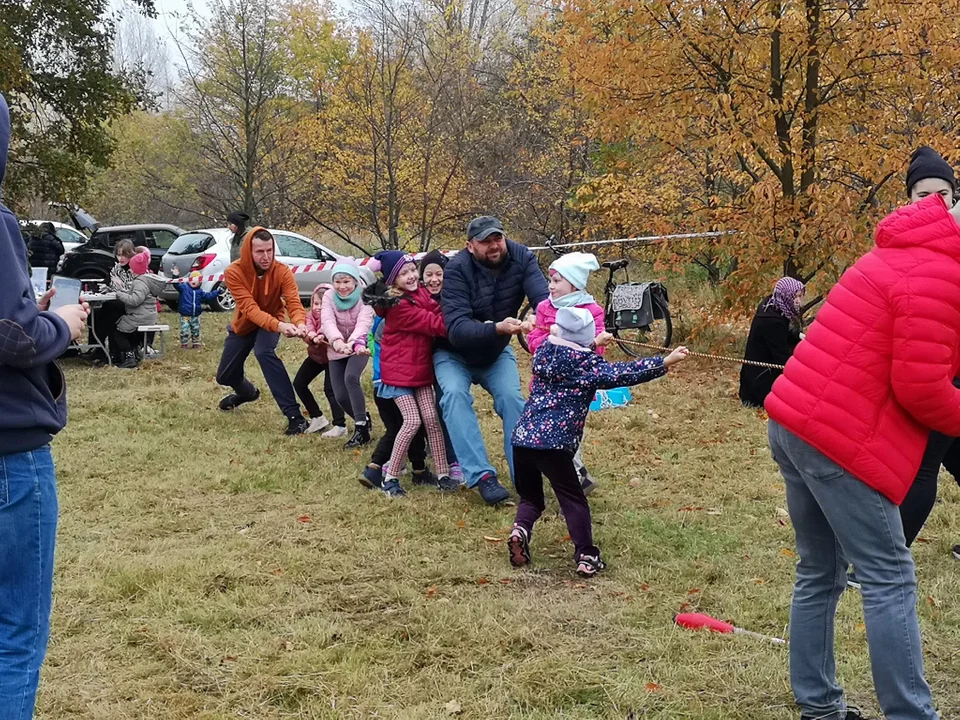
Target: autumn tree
57,74
790,122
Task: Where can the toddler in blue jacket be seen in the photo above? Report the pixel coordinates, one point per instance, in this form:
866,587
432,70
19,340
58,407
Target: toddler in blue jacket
566,375
191,306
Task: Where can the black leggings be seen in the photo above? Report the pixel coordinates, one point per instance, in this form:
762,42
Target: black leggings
392,420
127,342
307,373
918,504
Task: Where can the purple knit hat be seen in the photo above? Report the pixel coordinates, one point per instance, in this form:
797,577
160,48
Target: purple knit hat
785,293
392,262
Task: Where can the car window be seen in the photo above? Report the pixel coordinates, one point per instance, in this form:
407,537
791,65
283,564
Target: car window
295,247
71,236
162,239
112,238
191,244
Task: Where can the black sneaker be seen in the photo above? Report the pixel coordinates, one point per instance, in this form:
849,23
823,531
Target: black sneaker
297,425
129,362
361,436
491,490
851,714
447,484
424,477
518,544
233,401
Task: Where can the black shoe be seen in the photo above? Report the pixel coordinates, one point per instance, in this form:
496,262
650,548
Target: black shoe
447,484
423,477
851,714
233,401
491,490
129,361
361,436
369,424
296,425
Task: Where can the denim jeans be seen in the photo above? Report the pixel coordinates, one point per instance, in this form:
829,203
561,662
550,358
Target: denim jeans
839,520
28,530
502,381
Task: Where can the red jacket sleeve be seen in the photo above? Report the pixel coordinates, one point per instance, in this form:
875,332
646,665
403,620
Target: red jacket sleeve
926,345
541,332
407,316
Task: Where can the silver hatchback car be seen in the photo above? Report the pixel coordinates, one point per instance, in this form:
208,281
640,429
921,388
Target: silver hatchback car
209,252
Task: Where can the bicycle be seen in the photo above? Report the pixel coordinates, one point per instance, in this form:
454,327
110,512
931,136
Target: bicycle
646,321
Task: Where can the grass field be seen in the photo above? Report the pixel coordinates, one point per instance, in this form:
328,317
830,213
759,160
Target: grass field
209,567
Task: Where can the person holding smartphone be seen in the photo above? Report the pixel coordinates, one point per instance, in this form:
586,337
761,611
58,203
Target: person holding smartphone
32,410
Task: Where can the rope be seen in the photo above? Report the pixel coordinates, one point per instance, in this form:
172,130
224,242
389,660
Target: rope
691,353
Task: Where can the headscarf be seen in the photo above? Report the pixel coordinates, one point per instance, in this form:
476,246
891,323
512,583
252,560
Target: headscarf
785,293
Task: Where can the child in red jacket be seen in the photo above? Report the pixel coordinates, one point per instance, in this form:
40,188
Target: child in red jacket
412,319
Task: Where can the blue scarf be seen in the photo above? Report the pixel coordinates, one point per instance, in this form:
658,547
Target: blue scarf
346,303
574,299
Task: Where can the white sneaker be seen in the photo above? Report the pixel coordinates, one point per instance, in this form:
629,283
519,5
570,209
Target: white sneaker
317,424
337,431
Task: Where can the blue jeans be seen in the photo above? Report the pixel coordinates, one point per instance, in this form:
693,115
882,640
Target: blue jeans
839,520
502,381
28,530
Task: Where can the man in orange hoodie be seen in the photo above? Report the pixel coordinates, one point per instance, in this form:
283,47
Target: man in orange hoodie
263,289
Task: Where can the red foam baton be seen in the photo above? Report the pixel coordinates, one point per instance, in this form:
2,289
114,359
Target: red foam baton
695,621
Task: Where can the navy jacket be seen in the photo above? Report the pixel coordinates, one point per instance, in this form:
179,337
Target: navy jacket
565,379
33,400
475,299
192,299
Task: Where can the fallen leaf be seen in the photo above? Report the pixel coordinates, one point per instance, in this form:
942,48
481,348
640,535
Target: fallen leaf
689,508
482,581
653,687
506,581
453,708
461,524
787,552
431,591
759,581
304,519
564,539
277,571
684,606
923,540
693,591
644,587
581,586
488,538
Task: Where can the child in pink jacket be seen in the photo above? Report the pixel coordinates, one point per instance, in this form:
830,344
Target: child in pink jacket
345,323
568,282
316,363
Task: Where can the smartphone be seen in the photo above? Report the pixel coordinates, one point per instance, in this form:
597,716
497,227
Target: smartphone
68,292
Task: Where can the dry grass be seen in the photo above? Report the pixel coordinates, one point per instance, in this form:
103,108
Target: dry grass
210,568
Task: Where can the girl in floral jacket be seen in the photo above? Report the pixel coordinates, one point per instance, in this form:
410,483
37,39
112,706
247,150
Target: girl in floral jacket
566,374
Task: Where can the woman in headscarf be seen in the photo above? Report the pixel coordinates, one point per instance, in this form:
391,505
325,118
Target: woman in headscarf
774,335
237,224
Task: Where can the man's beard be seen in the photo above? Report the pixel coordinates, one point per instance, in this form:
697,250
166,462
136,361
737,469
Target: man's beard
492,265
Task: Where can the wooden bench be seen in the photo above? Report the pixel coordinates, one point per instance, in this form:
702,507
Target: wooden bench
159,330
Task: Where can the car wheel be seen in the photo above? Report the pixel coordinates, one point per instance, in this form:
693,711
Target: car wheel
224,301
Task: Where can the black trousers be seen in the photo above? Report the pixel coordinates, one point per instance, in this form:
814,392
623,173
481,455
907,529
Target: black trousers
918,504
263,344
104,324
127,341
392,420
308,372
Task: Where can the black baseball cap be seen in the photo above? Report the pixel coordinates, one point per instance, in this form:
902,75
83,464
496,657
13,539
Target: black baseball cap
480,228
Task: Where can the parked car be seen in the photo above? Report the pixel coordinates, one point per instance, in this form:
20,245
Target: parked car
95,258
209,252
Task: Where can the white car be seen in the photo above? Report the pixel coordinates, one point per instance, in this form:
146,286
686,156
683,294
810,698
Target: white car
209,252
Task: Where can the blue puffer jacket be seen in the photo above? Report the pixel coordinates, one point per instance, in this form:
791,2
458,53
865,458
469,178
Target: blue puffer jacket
565,378
475,299
192,299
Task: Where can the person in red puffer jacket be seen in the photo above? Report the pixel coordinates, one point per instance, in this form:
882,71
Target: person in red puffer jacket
849,421
412,319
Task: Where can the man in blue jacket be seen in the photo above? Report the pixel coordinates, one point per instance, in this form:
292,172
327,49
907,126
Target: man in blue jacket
33,409
483,290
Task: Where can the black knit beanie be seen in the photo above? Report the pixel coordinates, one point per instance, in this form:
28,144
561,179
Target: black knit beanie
927,163
434,257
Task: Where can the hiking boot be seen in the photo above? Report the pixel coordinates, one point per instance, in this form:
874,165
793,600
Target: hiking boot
518,545
337,431
423,477
589,565
491,490
361,436
317,424
296,425
372,477
233,401
129,361
447,484
391,488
